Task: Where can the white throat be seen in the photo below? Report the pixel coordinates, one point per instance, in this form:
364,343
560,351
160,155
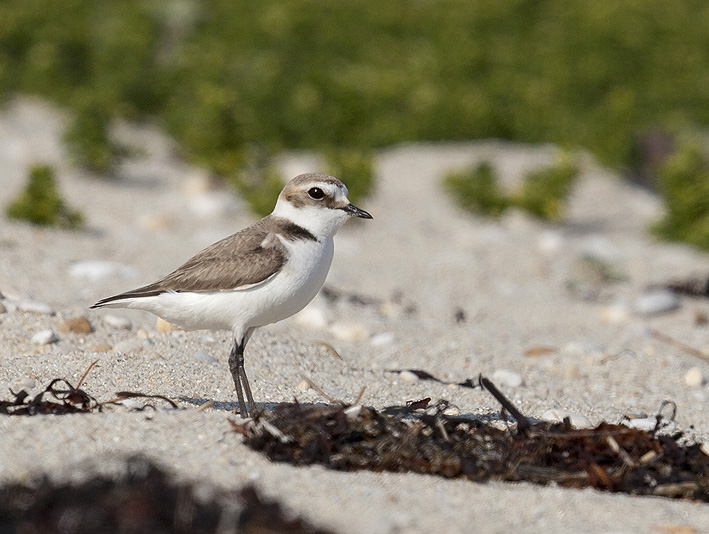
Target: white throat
318,220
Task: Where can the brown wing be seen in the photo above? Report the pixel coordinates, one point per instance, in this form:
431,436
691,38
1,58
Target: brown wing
247,257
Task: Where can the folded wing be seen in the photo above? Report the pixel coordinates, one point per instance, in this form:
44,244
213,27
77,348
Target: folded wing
258,253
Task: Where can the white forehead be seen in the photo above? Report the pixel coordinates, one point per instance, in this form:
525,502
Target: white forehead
332,187
335,191
320,215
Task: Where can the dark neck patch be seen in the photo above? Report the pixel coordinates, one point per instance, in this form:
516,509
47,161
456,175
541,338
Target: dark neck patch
293,232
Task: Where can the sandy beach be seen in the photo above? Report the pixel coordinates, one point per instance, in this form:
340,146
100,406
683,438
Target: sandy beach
424,286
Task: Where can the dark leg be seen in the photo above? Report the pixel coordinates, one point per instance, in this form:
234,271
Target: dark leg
238,373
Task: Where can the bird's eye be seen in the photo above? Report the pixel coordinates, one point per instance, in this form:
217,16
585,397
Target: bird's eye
316,193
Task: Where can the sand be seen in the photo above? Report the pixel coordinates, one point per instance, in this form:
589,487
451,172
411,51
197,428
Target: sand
442,290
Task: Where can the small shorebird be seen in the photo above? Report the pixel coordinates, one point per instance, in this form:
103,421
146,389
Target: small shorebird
258,276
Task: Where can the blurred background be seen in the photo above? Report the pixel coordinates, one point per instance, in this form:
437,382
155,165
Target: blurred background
237,82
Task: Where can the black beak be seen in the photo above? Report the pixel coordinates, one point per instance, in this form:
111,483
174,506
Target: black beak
354,210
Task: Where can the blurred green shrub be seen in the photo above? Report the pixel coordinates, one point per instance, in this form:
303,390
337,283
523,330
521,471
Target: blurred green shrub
41,203
261,195
477,190
355,167
88,138
306,74
256,179
542,192
684,185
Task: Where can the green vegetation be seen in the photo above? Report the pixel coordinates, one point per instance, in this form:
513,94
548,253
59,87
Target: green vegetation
88,139
354,165
477,190
307,74
684,183
40,203
542,192
258,181
221,76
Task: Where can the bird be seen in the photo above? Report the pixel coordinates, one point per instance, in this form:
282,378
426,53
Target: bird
258,276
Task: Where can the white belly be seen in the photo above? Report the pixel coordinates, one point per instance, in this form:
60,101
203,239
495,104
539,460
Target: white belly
279,297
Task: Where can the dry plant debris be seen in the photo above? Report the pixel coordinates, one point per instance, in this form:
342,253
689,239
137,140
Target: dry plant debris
420,438
60,397
143,500
61,401
692,287
70,400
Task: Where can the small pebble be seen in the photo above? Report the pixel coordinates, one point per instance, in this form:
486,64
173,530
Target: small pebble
556,415
353,411
385,338
12,294
211,204
209,339
197,182
303,385
349,331
550,241
390,310
694,378
618,312
116,321
312,317
656,302
34,306
45,337
134,403
408,376
163,326
648,424
127,346
76,325
510,379
157,221
199,355
26,383
540,350
332,351
2,308
95,270
574,348
99,348
452,411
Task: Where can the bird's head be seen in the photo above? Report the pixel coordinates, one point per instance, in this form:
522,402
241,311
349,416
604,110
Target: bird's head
318,203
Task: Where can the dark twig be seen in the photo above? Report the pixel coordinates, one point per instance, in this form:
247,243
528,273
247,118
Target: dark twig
522,422
122,395
679,344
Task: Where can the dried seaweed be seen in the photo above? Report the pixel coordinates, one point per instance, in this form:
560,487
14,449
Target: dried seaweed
420,438
425,375
142,500
334,295
123,395
691,287
56,400
52,400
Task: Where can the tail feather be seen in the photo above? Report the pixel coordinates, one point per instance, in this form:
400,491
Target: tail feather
146,291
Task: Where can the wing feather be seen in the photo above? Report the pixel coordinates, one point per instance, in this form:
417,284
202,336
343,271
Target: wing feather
243,259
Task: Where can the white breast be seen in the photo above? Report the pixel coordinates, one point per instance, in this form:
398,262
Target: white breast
299,281
275,299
